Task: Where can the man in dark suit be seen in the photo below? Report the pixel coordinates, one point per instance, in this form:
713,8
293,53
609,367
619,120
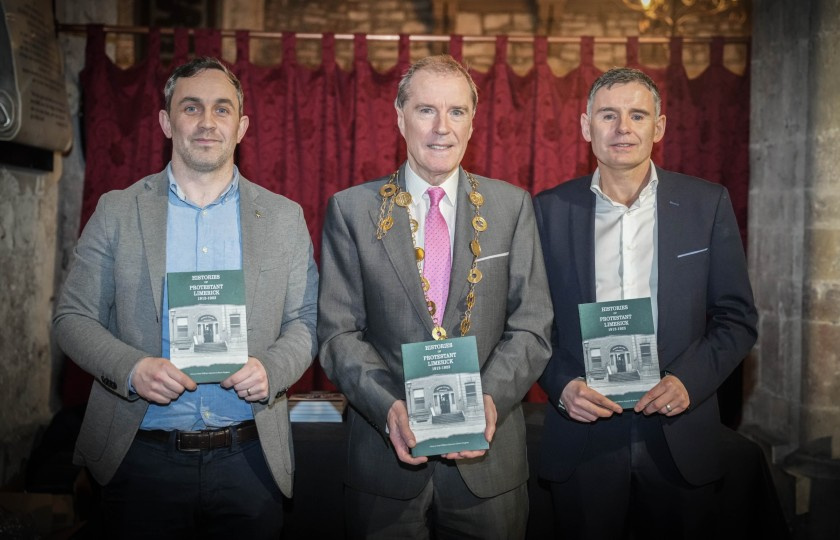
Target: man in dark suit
372,301
633,230
179,459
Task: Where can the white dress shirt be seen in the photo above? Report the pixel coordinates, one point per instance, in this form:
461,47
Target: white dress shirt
626,245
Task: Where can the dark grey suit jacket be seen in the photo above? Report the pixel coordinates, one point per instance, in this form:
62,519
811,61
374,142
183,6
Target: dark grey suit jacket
371,303
706,322
109,314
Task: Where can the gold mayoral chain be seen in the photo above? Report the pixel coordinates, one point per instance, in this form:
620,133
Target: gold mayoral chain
391,193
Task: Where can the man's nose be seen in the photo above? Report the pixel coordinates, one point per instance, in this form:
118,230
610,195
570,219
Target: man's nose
623,123
207,121
442,124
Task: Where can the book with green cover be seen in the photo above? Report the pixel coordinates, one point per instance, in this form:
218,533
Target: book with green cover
443,396
619,349
208,334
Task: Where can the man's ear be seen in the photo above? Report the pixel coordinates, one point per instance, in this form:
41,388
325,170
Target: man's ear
400,120
584,127
165,124
659,130
244,122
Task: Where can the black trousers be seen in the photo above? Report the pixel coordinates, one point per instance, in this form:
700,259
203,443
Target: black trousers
627,486
161,492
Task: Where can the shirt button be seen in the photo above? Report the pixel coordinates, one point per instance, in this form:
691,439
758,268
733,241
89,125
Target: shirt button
204,249
204,212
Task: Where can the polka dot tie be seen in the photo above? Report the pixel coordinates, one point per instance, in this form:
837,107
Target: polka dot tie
437,264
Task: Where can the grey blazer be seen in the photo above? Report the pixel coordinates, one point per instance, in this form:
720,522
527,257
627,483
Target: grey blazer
371,302
109,314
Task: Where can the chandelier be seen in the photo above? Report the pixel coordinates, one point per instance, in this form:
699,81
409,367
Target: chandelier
675,14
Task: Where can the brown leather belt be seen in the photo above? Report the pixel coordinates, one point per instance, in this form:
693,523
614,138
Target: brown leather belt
207,439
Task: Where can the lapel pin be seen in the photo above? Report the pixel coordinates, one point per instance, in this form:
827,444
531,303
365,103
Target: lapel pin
257,213
674,203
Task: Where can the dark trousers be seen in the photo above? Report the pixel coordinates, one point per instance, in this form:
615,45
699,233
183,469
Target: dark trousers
160,492
445,510
628,483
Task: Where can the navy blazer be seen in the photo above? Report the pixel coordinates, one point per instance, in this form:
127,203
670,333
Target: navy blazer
706,320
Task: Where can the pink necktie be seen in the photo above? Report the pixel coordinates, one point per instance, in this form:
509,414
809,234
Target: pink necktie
437,263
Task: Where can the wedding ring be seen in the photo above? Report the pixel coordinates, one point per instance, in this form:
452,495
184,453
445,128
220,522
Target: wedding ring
668,406
249,393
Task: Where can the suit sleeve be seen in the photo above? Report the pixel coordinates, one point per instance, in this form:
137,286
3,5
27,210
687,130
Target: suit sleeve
524,348
292,352
563,367
351,362
730,313
85,309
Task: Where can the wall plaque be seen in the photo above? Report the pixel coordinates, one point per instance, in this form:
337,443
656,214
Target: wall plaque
33,99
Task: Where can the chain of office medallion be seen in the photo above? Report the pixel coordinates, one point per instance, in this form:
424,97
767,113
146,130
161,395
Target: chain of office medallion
391,194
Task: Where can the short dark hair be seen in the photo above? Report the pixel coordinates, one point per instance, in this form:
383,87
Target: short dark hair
193,68
442,64
624,75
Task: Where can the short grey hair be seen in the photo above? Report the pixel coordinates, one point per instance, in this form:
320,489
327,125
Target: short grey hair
442,64
624,75
193,68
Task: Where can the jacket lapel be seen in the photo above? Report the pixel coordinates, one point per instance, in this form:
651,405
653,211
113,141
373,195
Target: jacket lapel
461,254
400,249
582,229
252,216
670,222
152,206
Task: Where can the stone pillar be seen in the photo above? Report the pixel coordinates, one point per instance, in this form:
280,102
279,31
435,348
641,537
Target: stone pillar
793,378
778,168
821,317
28,200
39,217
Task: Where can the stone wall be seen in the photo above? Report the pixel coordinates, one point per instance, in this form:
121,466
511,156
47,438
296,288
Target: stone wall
28,208
602,18
793,376
821,294
39,224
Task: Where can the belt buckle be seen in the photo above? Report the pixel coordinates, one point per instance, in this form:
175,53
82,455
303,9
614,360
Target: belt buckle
198,434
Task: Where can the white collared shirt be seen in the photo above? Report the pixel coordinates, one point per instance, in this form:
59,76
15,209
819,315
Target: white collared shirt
420,202
626,245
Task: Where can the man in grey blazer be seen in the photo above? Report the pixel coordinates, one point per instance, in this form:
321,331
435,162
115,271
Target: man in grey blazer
372,301
177,458
633,230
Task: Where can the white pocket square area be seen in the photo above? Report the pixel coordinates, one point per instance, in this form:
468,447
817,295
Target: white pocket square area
505,254
690,253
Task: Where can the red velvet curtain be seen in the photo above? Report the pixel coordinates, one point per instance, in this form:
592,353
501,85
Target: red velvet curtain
316,131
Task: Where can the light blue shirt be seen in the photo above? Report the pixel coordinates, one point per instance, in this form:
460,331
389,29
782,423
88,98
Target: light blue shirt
200,240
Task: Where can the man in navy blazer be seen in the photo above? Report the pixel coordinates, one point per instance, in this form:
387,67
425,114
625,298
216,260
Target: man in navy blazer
633,230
